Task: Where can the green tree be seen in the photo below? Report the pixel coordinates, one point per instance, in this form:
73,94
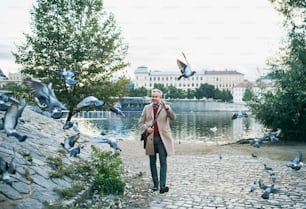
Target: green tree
78,35
138,92
286,107
205,90
248,94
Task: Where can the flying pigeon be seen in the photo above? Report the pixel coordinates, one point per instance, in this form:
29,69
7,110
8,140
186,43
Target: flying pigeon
11,117
2,75
43,94
5,98
90,100
69,76
185,69
104,139
239,114
117,109
272,137
296,163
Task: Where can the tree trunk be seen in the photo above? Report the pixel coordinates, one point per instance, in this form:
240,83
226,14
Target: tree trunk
70,114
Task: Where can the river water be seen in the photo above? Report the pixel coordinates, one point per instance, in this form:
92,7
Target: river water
189,126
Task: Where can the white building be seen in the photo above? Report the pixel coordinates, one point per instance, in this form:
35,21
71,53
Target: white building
257,87
223,80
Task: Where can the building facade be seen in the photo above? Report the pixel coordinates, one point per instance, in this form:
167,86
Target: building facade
256,87
223,80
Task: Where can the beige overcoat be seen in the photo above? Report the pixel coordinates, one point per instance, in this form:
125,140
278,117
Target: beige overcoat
163,122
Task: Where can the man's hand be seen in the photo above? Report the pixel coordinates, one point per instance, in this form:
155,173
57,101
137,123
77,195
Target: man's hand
150,130
163,104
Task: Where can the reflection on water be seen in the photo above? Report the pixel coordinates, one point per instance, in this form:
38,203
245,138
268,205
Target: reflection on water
187,127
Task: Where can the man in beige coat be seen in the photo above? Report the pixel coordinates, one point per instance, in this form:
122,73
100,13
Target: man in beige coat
160,138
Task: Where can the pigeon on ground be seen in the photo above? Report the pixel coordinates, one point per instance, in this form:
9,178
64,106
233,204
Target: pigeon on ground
43,95
11,117
69,76
267,192
12,164
71,124
256,144
253,187
104,139
69,143
88,101
273,178
267,167
262,184
56,113
254,155
185,69
296,163
4,98
75,151
4,172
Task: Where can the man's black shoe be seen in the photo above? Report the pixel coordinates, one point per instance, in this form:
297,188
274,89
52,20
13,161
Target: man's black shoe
155,189
163,190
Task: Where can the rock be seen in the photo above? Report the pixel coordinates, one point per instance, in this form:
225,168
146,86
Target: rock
29,204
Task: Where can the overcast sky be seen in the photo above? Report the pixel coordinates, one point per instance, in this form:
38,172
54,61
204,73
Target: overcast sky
214,34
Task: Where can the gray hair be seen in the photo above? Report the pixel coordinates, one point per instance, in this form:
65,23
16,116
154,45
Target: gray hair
158,91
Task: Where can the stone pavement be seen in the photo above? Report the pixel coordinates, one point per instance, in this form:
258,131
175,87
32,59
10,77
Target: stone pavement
202,180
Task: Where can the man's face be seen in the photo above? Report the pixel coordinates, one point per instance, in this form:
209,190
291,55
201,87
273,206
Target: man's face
156,97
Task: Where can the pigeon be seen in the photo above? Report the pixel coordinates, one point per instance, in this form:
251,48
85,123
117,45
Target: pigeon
70,124
5,173
185,69
272,137
69,76
267,192
117,109
43,95
254,155
90,100
256,144
262,184
5,98
273,178
253,187
11,119
296,163
2,75
75,151
12,164
69,143
267,167
104,139
56,113
239,114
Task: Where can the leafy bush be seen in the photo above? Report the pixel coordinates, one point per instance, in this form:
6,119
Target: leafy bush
108,170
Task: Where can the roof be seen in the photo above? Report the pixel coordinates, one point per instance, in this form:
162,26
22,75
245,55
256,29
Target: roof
222,72
142,69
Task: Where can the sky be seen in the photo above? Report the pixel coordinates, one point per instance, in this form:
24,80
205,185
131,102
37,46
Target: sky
214,34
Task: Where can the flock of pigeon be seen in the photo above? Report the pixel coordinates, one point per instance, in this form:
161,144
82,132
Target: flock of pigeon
46,100
295,164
